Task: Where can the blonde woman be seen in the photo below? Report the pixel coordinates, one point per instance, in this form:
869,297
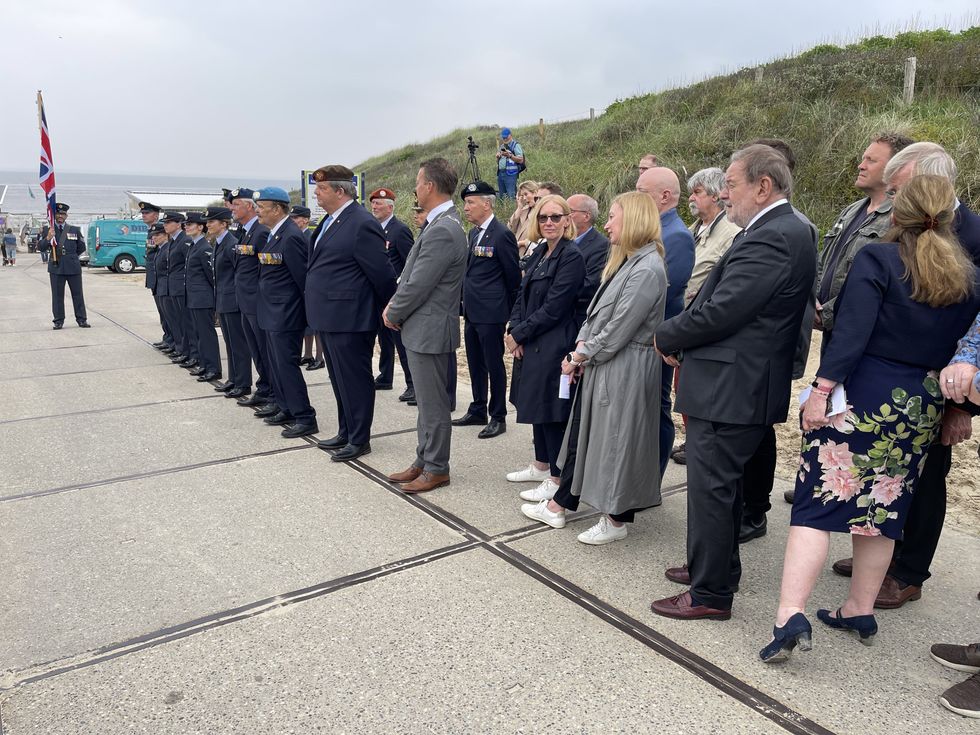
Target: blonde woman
520,222
611,459
904,305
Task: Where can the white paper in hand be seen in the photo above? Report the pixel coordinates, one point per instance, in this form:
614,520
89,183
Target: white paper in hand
838,399
564,387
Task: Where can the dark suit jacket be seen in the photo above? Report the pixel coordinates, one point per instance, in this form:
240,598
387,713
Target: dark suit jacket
350,279
150,278
966,225
199,275
226,302
176,270
595,249
70,244
282,279
247,267
740,333
162,266
493,275
398,244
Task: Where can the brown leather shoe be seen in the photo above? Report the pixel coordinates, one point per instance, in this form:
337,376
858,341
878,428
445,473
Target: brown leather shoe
844,567
893,595
425,482
681,607
407,475
681,575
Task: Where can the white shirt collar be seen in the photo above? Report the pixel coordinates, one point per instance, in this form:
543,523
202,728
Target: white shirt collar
436,211
340,209
251,223
775,204
384,225
278,225
486,224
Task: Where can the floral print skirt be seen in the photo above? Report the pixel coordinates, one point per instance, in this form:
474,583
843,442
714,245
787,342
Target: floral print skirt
858,474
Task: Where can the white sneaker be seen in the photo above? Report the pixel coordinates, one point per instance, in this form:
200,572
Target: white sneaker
604,532
540,512
529,474
545,491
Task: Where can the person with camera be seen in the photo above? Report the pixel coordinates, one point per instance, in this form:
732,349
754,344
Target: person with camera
510,163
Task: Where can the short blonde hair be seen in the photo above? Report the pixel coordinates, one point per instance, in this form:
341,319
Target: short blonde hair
534,233
641,226
527,186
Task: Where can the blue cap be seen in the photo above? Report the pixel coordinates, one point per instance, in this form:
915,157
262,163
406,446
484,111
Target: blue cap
240,193
505,133
271,194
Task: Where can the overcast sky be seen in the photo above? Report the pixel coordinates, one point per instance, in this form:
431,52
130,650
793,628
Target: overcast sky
211,87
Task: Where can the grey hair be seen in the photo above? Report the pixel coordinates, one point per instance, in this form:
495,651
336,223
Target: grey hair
491,199
348,187
712,180
926,158
389,202
763,160
590,205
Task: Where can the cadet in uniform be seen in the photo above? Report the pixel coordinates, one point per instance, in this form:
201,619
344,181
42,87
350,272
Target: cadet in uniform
150,214
226,303
199,275
65,267
282,281
175,302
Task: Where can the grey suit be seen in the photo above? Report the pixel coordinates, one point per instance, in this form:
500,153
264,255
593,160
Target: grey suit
426,307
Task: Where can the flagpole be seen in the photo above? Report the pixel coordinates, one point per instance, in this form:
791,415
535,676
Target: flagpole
47,202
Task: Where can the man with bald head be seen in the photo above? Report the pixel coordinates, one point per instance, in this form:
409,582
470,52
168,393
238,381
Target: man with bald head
662,185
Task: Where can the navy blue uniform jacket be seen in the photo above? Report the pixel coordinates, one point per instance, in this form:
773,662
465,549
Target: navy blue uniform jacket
350,279
69,249
282,279
150,279
176,266
247,267
398,244
162,266
199,275
595,249
226,302
966,225
493,275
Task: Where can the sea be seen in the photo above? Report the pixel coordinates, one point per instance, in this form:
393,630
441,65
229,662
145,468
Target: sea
104,195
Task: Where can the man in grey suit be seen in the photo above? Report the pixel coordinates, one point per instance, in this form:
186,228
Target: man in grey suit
738,339
425,308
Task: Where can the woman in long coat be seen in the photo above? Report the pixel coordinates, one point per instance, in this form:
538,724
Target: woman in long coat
615,420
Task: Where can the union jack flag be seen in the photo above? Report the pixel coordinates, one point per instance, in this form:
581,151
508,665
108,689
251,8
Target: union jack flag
47,164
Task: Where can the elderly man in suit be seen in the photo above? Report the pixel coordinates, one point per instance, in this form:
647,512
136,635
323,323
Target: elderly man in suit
426,310
348,283
490,285
64,267
594,247
398,244
738,340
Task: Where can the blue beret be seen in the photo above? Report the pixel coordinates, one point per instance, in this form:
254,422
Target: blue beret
271,194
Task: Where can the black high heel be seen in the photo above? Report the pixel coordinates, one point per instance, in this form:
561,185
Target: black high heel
796,632
864,625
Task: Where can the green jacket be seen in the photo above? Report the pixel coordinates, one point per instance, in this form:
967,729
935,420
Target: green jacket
874,228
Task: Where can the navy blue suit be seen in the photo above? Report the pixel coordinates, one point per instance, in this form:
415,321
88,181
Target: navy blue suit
594,247
70,244
398,244
226,304
199,280
349,282
246,264
679,259
282,282
150,281
493,277
176,300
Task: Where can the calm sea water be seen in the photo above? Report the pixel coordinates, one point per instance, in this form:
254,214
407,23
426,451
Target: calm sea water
92,195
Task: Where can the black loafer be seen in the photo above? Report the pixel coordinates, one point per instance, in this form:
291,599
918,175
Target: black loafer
494,428
224,387
269,410
408,395
257,400
159,345
199,370
177,358
752,527
351,451
237,392
279,419
297,430
335,442
189,363
208,377
469,419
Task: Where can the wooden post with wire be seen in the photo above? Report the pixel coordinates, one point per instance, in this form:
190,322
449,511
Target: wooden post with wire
908,89
540,130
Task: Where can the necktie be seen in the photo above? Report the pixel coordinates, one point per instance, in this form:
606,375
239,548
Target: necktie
326,224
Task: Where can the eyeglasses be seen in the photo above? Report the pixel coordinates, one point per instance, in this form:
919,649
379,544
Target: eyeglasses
556,218
580,211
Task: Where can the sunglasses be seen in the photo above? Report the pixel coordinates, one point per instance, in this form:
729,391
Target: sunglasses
556,218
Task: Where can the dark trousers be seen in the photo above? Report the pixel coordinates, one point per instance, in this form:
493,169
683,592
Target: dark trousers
564,496
920,536
390,341
174,310
168,338
255,338
58,297
209,355
547,444
349,356
44,256
236,347
666,420
485,359
716,457
288,384
760,472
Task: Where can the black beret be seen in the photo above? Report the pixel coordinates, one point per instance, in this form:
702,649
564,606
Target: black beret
240,193
298,211
477,188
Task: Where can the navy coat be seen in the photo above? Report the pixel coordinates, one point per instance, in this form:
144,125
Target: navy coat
161,265
176,276
493,275
282,279
679,258
350,279
398,244
247,267
543,322
595,249
199,275
966,225
150,278
69,248
226,302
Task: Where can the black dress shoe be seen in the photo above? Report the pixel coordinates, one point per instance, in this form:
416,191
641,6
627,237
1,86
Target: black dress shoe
351,451
189,363
177,358
237,392
752,527
412,401
335,442
297,430
56,326
381,385
494,428
305,361
84,324
270,409
408,395
168,351
469,419
789,495
279,419
208,377
224,387
159,345
316,364
199,370
257,400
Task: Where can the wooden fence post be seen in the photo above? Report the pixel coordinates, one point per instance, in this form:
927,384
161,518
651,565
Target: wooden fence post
541,131
908,89
758,74
591,114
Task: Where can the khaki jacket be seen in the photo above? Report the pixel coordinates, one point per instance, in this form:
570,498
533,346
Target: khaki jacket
710,243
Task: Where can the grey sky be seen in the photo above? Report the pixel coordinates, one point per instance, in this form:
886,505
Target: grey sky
248,88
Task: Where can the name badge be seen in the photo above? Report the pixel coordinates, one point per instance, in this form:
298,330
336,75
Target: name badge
270,258
245,250
483,251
